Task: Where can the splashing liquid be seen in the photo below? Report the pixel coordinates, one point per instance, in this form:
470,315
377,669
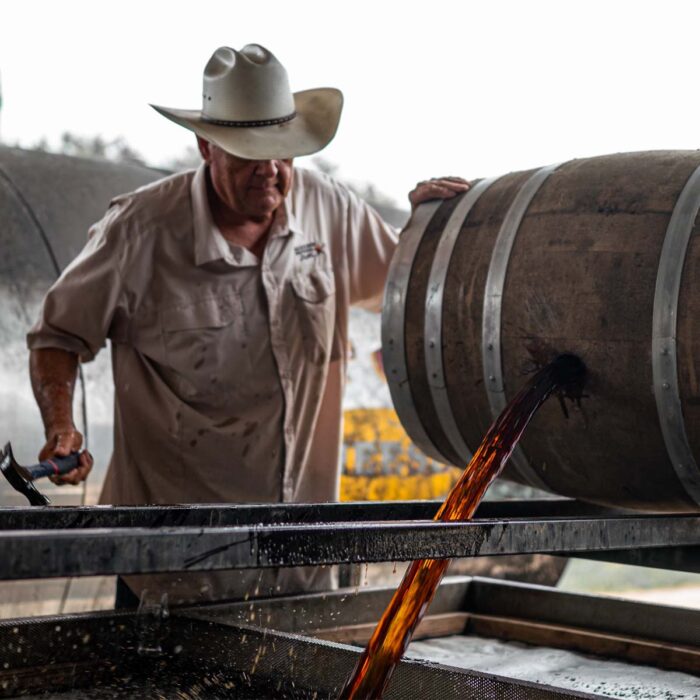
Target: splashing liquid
410,602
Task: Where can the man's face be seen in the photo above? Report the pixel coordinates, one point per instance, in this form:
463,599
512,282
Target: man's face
253,189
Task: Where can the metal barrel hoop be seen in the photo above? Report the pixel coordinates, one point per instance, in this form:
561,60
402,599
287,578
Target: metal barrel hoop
664,343
393,329
493,300
433,319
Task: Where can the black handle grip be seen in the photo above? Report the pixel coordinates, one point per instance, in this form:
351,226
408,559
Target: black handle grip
55,466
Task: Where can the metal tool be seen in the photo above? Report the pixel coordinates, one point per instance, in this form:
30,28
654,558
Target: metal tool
21,478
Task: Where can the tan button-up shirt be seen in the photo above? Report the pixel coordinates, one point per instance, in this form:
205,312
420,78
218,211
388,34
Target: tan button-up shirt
228,369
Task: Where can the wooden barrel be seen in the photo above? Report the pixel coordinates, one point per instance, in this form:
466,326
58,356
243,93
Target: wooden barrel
599,257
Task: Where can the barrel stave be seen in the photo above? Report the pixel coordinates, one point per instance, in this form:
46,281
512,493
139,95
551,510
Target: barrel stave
415,330
462,316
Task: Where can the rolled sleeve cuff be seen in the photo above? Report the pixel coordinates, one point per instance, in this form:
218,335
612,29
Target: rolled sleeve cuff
42,340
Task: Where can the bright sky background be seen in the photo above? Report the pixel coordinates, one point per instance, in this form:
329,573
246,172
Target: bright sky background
431,88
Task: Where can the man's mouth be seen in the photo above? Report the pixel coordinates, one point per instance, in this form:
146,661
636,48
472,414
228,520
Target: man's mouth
265,191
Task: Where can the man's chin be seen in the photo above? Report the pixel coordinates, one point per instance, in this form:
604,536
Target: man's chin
264,206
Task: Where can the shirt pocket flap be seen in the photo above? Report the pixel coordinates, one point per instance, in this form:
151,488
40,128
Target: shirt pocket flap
314,287
213,312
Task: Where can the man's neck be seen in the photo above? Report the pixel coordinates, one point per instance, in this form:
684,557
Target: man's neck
249,232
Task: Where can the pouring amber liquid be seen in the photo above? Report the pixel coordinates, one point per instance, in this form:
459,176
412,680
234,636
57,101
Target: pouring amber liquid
409,604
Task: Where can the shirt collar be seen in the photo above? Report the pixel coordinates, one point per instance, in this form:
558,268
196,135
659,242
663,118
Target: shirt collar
209,243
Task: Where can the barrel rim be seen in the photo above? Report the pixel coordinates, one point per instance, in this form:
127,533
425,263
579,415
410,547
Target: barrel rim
492,311
433,340
664,347
393,329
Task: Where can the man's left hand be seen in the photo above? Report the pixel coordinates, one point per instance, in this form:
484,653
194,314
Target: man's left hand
437,188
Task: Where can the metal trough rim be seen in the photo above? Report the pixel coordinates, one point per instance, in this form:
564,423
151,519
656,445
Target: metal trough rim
94,551
235,646
216,514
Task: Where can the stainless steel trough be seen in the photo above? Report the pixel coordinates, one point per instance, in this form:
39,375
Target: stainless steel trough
478,640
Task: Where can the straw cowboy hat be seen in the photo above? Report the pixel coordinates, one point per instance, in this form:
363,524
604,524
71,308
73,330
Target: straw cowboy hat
250,112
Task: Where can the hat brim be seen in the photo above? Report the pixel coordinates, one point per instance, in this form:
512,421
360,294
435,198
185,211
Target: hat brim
312,129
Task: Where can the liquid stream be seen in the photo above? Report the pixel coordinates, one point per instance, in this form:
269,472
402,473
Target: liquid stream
409,604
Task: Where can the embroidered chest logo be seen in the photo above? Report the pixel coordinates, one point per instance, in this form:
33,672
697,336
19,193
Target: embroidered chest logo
309,250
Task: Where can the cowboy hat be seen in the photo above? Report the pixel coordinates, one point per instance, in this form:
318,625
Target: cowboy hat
249,111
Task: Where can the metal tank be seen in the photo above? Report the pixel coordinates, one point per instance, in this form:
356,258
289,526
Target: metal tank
47,203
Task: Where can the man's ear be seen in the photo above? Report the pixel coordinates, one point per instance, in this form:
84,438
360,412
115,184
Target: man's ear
204,148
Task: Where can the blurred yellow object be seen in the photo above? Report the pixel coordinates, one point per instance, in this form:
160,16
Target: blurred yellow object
380,463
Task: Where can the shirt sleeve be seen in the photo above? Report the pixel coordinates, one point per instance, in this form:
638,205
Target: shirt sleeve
80,306
370,242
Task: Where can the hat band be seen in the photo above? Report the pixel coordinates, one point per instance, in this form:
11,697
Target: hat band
258,122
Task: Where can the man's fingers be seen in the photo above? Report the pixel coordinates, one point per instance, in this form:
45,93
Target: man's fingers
438,188
433,190
451,180
85,466
68,442
75,476
452,185
72,477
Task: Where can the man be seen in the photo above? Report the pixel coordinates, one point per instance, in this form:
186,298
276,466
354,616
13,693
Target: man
225,294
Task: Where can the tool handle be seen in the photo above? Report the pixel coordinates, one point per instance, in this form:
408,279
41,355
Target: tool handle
54,466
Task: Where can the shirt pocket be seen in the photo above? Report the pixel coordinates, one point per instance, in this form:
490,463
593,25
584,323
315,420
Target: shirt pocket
206,345
314,294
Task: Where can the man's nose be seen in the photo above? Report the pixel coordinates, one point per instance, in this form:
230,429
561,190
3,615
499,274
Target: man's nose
267,168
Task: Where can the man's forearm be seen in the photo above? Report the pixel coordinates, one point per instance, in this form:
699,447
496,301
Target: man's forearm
53,374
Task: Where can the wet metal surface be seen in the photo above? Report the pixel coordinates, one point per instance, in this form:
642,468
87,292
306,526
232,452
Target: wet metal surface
263,648
215,659
91,551
222,515
558,667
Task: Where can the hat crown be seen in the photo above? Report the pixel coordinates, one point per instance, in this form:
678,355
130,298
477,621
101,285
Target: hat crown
249,85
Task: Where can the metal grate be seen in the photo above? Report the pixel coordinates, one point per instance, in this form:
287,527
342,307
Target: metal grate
97,656
291,666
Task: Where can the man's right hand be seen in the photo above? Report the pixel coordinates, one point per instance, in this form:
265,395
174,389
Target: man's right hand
60,442
53,372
